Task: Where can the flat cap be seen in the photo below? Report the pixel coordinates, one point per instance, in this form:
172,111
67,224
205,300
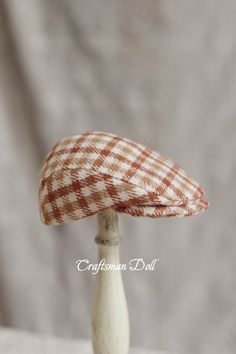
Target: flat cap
85,174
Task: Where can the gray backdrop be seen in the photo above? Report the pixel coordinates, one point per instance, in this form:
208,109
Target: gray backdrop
162,73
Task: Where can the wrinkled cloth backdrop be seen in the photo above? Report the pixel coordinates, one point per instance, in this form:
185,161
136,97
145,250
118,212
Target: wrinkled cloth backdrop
162,73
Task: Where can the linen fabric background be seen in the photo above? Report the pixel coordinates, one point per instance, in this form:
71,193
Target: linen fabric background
161,73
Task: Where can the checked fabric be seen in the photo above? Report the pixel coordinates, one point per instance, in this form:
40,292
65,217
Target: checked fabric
85,174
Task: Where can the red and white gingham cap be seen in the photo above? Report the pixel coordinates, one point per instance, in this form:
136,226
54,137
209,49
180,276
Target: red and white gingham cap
87,173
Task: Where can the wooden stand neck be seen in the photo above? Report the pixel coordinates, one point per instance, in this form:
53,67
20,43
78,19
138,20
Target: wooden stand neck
107,225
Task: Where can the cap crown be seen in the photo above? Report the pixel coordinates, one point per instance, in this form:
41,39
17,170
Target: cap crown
87,173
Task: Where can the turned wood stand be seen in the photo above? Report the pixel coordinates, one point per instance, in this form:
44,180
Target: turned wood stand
110,320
